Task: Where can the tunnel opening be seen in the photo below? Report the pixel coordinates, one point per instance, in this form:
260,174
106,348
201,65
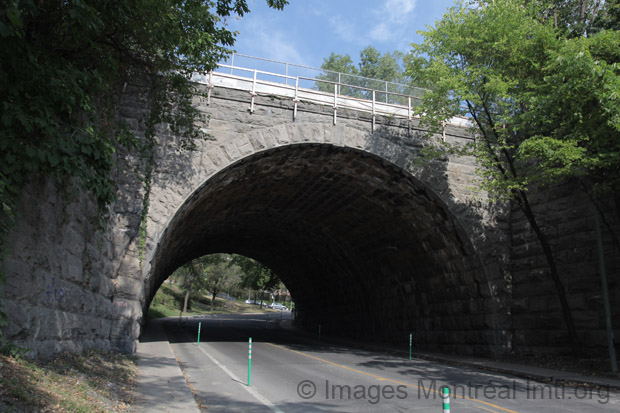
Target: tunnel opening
366,249
219,283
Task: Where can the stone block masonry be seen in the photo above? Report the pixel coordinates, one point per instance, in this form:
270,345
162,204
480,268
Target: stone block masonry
369,243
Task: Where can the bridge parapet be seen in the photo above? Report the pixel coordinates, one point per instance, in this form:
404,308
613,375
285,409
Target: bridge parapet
391,99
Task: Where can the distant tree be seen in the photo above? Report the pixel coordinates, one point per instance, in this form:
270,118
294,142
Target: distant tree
339,69
255,275
221,273
374,66
387,67
192,280
212,273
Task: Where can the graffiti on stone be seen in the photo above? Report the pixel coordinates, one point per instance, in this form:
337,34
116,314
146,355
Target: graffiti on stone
54,294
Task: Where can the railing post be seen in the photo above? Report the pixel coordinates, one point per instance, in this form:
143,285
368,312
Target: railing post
409,114
286,74
443,133
295,99
339,82
373,111
209,87
335,102
232,63
253,92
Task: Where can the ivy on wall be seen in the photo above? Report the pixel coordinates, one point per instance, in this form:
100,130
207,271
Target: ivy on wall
63,66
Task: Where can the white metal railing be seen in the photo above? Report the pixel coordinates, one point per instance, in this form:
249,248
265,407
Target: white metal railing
318,74
319,89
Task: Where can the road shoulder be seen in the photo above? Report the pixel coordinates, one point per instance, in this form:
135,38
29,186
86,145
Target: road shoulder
161,385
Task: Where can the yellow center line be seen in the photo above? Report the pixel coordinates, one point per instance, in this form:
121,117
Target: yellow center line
380,378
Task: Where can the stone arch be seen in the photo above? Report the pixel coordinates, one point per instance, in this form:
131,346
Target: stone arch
297,174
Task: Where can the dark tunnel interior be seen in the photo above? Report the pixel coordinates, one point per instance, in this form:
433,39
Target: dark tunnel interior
366,249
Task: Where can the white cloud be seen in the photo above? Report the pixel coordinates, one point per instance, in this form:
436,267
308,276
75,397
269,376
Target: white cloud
398,10
344,29
392,17
381,32
276,45
262,38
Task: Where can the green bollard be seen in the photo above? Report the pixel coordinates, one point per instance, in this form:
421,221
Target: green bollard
410,343
199,324
249,361
445,398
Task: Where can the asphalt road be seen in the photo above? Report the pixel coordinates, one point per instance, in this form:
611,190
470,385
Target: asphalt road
293,372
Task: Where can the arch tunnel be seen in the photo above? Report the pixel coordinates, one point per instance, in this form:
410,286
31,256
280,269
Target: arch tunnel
366,249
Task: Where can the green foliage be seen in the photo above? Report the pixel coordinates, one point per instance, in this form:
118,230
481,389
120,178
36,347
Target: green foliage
372,72
212,273
63,66
221,272
168,301
544,105
339,69
255,275
542,93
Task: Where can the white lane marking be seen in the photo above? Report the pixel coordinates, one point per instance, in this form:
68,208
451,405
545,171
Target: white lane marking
250,390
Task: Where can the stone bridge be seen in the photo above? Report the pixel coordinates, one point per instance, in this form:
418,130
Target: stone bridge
331,196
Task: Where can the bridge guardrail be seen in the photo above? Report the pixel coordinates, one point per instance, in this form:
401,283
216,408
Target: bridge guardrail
315,90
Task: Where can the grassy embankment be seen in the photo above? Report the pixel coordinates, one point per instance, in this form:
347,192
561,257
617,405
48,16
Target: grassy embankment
89,382
168,302
93,381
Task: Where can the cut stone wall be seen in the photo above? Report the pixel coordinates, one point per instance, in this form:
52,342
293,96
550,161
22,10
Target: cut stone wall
369,243
566,217
63,292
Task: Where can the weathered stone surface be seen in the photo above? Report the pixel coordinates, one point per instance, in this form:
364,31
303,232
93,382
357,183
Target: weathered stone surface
369,243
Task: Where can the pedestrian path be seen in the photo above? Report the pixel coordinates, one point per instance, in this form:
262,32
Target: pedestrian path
161,385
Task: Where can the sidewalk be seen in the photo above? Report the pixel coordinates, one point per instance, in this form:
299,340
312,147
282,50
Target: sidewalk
533,373
161,384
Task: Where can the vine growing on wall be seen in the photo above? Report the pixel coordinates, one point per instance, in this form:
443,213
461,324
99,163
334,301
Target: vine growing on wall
63,65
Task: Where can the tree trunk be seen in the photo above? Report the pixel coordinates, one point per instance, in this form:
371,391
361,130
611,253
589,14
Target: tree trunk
213,294
186,300
559,286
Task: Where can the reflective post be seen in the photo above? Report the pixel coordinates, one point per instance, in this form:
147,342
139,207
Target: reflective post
198,341
410,343
445,399
249,361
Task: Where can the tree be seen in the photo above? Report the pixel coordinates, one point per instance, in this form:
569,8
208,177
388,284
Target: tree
255,275
221,273
608,18
372,72
212,273
542,96
339,69
387,68
63,65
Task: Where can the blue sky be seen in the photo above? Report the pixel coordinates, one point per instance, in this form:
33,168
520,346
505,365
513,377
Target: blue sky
307,31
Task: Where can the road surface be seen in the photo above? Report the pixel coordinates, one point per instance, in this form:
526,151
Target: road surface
293,372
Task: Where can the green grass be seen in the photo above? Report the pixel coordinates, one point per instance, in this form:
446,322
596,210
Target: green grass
168,302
